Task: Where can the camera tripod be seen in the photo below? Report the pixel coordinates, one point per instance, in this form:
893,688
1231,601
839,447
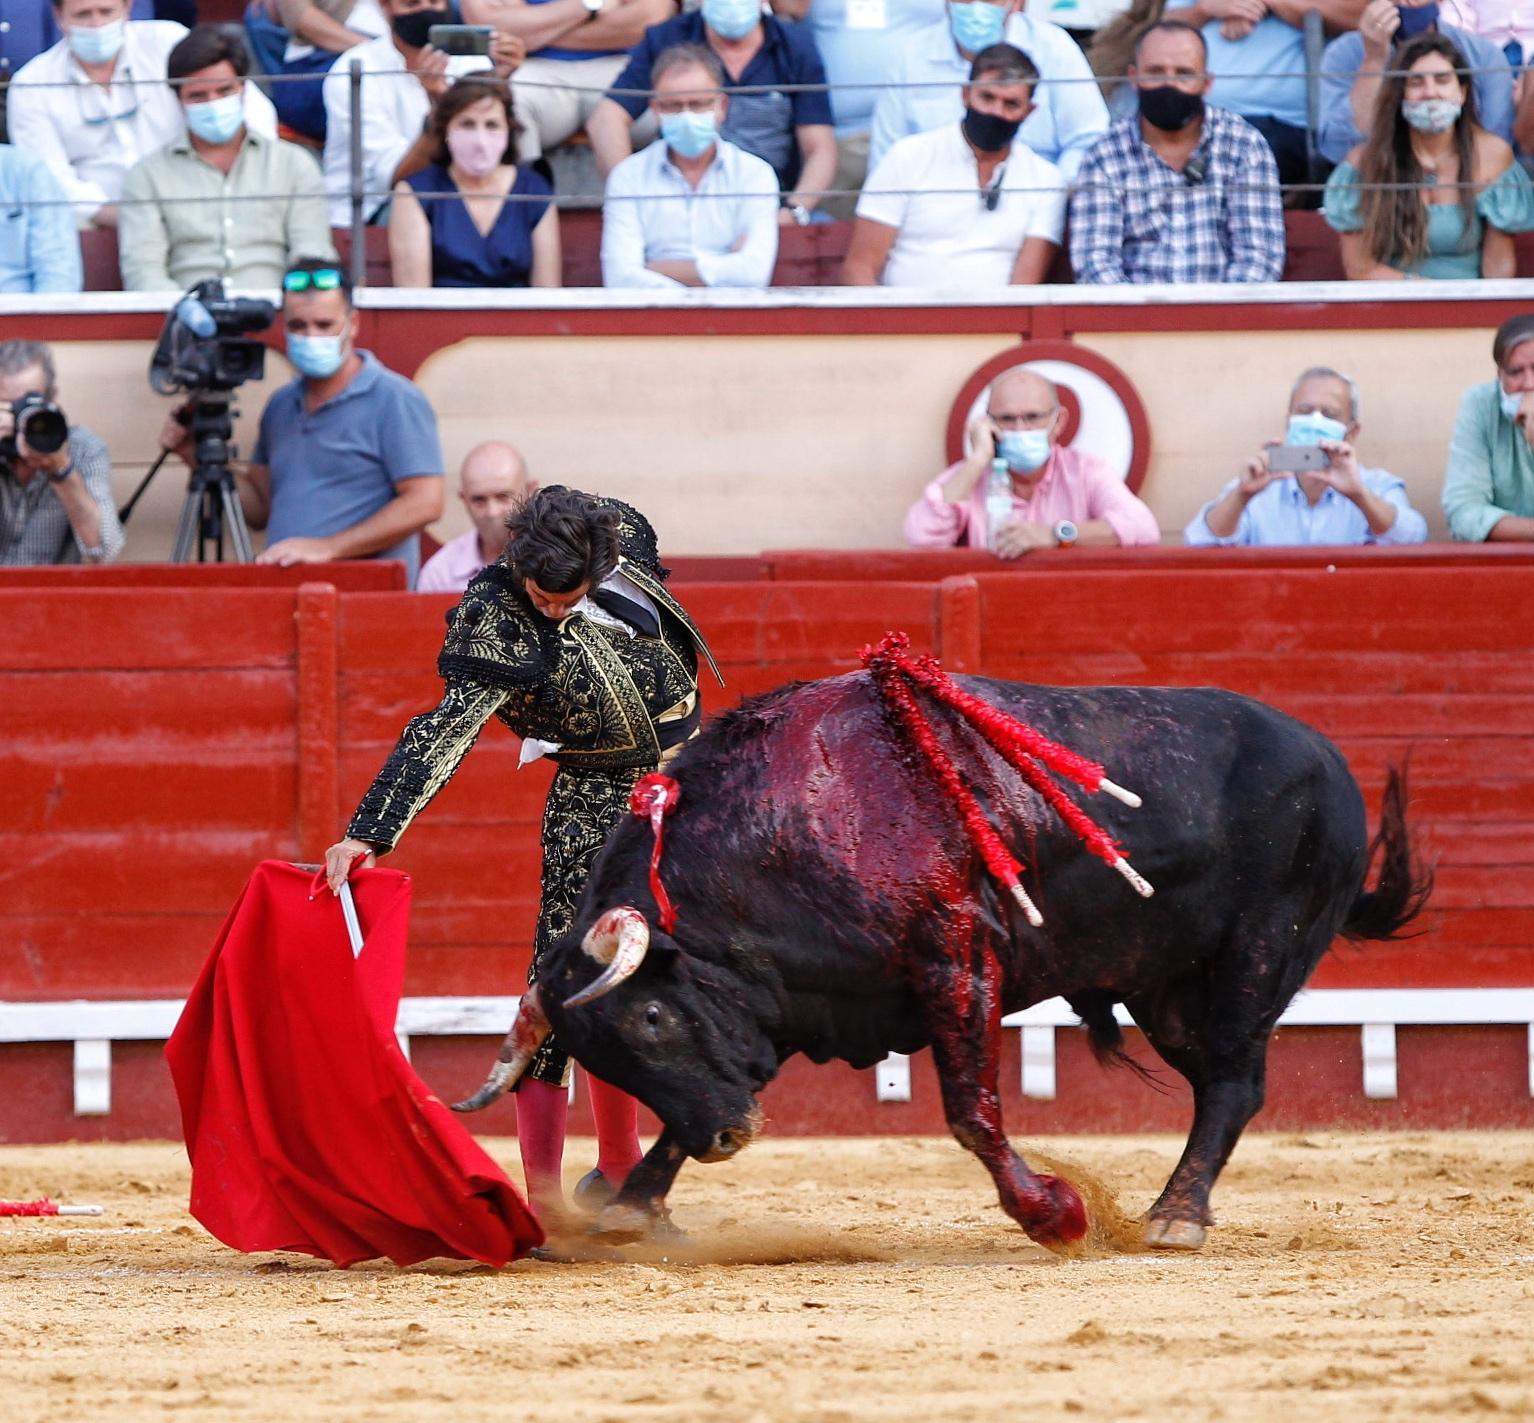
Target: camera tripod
211,510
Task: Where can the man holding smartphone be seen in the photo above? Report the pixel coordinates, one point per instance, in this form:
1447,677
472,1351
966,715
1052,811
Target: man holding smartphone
1310,489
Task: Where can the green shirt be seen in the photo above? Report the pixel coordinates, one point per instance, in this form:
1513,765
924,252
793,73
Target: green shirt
183,220
1491,467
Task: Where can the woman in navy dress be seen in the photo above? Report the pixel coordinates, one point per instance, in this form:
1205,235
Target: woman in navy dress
472,217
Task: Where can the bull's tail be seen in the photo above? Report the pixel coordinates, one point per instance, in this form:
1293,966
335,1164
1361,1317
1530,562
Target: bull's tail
1403,883
1106,1037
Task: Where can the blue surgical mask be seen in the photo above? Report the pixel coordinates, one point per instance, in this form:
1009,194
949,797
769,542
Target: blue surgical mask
96,46
218,120
689,134
1511,400
1415,20
1312,427
1025,450
316,356
732,19
976,25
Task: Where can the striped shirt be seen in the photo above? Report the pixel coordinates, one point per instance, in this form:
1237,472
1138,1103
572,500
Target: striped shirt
34,527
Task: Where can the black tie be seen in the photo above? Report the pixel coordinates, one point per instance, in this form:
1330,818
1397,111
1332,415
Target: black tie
636,615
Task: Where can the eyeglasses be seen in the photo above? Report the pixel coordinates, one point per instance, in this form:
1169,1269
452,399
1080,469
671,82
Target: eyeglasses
327,279
990,195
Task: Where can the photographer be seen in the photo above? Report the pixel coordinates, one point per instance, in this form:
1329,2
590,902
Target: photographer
348,463
55,480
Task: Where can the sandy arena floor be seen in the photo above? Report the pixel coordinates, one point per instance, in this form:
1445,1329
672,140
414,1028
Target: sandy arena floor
1356,1277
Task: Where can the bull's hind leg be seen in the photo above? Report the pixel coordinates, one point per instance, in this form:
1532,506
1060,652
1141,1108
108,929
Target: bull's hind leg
961,1003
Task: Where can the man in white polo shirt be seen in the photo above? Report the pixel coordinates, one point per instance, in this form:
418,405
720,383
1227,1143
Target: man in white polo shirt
966,205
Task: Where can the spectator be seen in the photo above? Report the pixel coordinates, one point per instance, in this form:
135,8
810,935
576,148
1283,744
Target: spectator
220,200
26,30
55,506
692,209
96,102
1431,194
1497,21
789,129
299,38
1488,489
575,48
493,479
498,226
395,142
917,224
1342,503
347,463
1181,192
1068,117
39,247
1353,65
860,42
1060,497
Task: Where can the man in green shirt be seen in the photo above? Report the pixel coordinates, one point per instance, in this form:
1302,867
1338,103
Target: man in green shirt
221,201
1488,491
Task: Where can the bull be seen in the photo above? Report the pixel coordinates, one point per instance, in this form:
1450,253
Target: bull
828,902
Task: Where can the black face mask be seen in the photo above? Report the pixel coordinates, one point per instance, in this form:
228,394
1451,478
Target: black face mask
988,133
1170,109
412,29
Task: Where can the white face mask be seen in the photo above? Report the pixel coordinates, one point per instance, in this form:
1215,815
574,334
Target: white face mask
1431,115
477,152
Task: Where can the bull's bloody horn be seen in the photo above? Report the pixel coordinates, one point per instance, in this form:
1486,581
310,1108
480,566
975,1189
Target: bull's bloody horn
517,1052
620,939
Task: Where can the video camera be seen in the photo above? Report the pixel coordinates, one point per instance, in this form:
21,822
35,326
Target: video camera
203,346
40,423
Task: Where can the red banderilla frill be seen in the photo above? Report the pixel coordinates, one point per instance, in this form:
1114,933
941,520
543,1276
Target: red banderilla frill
654,797
1021,746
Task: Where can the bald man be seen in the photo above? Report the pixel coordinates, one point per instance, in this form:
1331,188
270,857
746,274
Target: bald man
1049,495
494,476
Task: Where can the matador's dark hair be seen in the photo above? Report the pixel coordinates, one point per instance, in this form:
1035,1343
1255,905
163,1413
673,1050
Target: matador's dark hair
561,538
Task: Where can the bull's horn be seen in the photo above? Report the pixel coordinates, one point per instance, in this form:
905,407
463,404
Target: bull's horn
620,939
517,1052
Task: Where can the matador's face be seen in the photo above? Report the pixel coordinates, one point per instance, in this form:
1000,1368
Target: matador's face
555,605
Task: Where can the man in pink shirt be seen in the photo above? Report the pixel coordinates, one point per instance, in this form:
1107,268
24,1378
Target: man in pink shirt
493,478
1059,497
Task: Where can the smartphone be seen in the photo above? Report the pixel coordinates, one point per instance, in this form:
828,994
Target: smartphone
460,39
1289,459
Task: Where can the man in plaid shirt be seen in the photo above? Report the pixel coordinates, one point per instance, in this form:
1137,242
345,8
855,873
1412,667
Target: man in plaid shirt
1181,192
55,507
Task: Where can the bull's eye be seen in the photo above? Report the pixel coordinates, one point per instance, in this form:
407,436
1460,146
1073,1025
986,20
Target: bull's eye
652,1014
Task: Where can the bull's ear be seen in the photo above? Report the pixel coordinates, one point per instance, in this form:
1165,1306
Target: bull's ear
661,943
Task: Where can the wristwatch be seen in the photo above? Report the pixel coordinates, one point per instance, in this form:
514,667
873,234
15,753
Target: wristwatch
593,9
797,211
63,474
1065,534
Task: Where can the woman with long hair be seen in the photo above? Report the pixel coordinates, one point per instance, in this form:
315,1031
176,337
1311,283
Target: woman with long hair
1430,193
472,217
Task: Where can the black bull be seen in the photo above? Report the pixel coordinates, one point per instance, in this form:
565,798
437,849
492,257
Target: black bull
830,903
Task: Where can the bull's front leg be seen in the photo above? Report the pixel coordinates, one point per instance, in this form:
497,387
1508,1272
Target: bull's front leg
639,1208
961,1003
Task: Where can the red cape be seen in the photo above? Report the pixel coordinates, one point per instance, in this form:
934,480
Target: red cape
306,1128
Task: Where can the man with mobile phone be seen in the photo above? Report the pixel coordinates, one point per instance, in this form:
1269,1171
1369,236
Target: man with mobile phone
1310,489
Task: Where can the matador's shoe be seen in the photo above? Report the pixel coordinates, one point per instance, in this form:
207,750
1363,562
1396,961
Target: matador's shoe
592,1192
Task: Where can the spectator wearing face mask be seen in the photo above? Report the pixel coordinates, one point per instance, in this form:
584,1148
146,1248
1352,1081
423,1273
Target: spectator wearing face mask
1431,194
788,128
917,220
473,217
1488,490
221,200
1055,496
1181,191
1353,67
1068,114
1341,503
692,209
97,102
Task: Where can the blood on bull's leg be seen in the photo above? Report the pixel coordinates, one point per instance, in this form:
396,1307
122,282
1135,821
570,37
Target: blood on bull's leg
961,1001
640,1206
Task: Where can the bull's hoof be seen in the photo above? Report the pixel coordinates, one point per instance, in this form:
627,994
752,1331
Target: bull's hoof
1174,1234
622,1224
1067,1221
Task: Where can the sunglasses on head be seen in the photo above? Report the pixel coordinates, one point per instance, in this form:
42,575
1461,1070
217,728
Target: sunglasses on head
327,279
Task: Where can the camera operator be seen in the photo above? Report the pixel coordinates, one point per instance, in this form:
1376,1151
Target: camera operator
348,463
55,503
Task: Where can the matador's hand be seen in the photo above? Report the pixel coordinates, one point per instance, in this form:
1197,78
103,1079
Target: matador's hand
342,856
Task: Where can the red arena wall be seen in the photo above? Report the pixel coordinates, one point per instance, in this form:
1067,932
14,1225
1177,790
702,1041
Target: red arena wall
159,740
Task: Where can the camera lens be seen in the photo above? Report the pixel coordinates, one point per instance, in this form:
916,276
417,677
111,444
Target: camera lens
44,428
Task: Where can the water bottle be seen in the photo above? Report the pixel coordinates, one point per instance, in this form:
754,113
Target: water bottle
998,500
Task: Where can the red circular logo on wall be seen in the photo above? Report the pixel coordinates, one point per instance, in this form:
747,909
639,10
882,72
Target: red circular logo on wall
1103,413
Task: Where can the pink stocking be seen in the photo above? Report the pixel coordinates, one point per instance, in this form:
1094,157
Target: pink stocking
541,1111
617,1120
